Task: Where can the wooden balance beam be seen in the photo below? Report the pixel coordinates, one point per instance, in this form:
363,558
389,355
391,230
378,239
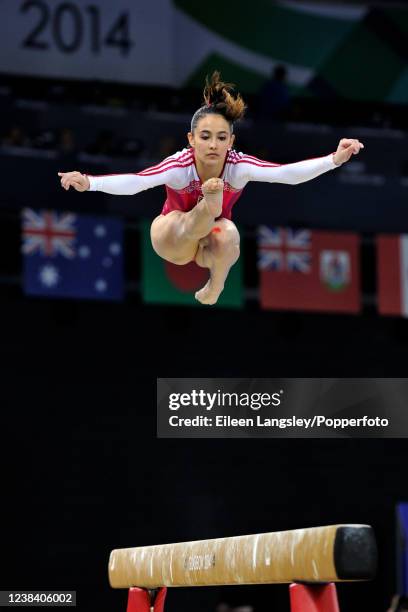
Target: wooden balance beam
334,553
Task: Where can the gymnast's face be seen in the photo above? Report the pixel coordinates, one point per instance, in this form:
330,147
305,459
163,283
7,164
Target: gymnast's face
211,140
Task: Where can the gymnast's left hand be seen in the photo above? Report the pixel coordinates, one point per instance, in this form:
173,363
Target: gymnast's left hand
347,147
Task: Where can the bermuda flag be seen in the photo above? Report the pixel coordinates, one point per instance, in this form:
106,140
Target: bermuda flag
68,255
301,269
167,283
392,274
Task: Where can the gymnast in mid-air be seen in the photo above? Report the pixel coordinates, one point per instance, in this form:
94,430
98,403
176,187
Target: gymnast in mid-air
203,182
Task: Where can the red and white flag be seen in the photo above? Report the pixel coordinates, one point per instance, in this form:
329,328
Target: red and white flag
308,270
392,274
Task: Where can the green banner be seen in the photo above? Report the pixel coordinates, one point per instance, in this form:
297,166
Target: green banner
167,283
351,51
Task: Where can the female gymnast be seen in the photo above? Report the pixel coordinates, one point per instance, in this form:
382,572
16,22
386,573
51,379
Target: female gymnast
203,182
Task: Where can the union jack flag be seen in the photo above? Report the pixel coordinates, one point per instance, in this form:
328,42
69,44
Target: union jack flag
48,233
284,249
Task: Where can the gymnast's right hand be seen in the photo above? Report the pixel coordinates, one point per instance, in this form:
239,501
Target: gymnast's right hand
75,179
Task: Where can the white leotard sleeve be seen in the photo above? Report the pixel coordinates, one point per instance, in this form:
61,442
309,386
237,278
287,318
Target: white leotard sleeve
253,169
171,172
129,184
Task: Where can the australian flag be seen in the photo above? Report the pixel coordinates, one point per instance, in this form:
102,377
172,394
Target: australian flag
73,256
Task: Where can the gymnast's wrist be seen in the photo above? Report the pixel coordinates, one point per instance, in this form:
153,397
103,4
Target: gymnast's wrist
334,160
92,182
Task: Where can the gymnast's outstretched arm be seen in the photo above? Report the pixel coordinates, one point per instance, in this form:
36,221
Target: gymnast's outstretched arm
258,170
118,184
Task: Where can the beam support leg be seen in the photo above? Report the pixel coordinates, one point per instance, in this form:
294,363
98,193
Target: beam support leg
313,598
143,600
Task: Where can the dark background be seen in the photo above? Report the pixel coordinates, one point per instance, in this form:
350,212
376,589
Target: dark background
84,473
82,469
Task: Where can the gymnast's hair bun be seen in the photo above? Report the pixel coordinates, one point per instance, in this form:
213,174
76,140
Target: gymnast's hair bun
223,98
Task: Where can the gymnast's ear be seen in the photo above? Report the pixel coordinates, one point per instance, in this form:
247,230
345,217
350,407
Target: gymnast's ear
190,139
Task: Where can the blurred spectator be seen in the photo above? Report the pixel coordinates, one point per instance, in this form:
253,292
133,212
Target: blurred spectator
167,146
16,137
273,98
46,139
399,603
131,147
103,144
67,141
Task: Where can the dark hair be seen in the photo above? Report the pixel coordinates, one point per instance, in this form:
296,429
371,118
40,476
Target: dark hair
220,99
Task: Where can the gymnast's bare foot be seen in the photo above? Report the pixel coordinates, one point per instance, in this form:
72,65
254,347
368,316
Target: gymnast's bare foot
210,293
213,192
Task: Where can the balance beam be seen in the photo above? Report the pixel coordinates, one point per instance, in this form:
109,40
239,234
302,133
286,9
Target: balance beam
334,553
